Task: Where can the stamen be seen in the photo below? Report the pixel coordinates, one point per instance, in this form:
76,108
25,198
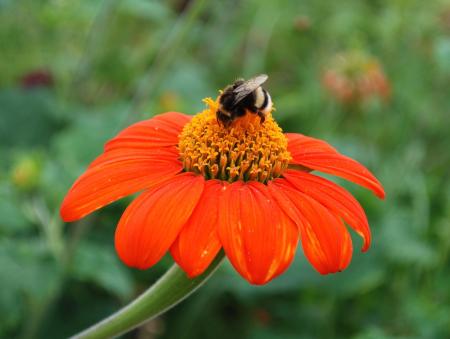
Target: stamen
246,150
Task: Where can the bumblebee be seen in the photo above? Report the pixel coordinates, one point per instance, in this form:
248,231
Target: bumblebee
242,96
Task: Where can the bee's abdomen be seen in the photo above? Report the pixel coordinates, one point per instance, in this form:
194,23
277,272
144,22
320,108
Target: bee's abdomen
263,101
259,97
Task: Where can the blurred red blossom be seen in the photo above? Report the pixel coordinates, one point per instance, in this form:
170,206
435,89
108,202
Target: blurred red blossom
354,77
37,78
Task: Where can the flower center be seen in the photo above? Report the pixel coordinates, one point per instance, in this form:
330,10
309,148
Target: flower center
246,150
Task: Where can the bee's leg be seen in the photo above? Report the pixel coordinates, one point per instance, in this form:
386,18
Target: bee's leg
253,109
223,119
225,123
262,117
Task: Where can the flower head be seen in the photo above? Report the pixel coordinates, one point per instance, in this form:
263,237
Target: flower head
246,188
355,77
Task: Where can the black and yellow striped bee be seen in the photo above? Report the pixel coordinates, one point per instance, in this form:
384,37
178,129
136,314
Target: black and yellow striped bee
242,96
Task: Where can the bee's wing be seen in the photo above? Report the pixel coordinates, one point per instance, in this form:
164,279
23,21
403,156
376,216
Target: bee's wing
248,86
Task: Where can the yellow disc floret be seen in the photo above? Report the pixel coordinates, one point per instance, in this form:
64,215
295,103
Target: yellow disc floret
246,150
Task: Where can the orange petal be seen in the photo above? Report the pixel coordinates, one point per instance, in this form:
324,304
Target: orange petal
151,223
257,237
325,240
198,243
338,201
162,154
299,144
159,131
319,155
140,156
115,175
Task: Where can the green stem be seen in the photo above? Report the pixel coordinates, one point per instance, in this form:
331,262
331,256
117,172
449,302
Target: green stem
168,291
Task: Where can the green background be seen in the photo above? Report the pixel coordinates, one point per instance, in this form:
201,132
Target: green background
114,62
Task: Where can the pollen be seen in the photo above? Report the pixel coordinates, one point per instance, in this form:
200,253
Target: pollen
246,150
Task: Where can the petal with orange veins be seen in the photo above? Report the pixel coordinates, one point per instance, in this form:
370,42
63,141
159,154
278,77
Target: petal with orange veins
159,131
299,144
318,155
152,222
114,175
198,242
161,154
325,240
258,238
282,199
338,201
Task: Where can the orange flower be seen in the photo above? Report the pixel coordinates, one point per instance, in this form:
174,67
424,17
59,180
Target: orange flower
247,189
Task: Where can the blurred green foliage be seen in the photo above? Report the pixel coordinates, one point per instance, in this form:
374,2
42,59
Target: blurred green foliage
108,63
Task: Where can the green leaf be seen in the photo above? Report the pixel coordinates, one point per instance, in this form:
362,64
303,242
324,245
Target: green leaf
28,117
12,219
100,265
148,9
